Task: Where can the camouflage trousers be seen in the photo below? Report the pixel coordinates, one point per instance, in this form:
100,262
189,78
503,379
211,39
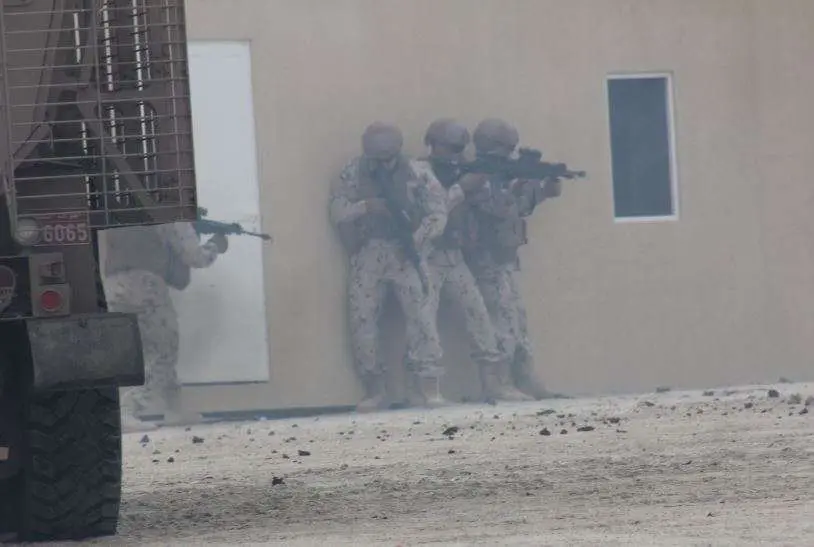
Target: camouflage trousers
501,294
377,267
452,279
146,295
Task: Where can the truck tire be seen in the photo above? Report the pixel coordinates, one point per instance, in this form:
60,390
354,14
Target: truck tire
70,484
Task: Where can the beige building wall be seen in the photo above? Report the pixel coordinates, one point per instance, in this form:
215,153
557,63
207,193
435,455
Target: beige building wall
722,295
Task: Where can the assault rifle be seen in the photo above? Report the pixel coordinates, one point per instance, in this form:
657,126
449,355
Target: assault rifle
405,227
205,226
527,166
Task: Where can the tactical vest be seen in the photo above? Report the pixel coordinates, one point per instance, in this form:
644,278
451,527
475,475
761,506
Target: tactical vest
142,248
461,228
374,226
501,235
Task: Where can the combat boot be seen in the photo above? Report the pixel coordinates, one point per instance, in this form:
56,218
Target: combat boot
530,383
497,384
415,396
176,415
131,423
375,394
535,389
430,390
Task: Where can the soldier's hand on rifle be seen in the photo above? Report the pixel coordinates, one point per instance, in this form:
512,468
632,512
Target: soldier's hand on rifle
377,206
520,186
472,182
552,188
221,242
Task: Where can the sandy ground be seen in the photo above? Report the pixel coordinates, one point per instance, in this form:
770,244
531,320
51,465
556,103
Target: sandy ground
680,468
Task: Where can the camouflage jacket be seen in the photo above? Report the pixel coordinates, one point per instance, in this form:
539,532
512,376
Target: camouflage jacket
166,250
348,210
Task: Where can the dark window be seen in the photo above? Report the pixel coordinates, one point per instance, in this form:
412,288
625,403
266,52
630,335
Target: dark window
640,146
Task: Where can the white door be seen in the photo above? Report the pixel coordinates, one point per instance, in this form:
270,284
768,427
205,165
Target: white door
224,335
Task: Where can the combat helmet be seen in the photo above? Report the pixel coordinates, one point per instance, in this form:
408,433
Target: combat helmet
446,131
493,133
382,140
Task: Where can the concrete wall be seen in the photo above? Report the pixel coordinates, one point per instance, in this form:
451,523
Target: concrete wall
719,296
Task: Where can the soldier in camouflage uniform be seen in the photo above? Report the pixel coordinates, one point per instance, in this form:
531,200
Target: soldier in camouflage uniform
140,264
378,260
450,274
494,261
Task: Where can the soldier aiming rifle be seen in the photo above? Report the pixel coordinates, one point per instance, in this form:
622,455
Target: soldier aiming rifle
527,166
204,226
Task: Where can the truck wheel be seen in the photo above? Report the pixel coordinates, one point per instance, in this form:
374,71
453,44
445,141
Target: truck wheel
70,483
9,465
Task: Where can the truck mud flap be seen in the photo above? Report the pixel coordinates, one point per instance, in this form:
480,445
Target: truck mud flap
85,351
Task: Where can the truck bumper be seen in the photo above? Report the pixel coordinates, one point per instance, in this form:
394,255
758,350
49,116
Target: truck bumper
85,351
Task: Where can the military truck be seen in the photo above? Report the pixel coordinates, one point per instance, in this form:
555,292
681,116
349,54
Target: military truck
95,134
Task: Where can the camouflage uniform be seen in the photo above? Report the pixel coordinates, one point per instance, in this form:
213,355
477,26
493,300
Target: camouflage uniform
494,261
450,274
377,262
498,284
138,264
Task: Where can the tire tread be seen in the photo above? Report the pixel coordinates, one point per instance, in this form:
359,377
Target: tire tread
72,483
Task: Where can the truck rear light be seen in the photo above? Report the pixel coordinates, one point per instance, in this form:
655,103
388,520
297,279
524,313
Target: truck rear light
50,292
51,301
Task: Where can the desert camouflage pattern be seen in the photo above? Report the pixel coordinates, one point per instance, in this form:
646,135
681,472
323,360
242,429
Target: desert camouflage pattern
496,268
143,292
497,282
186,245
147,295
373,270
453,281
381,265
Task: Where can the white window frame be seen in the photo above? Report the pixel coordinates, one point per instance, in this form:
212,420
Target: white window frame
671,145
